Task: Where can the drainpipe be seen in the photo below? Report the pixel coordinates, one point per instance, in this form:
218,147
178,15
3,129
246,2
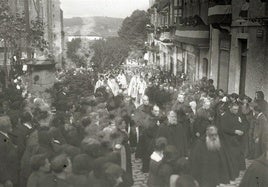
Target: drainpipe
27,21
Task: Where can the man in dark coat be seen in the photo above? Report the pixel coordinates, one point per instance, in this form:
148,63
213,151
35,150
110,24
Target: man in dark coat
175,134
257,173
233,129
202,120
42,143
139,117
155,161
179,103
162,167
22,132
221,108
40,167
149,135
8,155
259,99
127,111
129,106
260,132
209,162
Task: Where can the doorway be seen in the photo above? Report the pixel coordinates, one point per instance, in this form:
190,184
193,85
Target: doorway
205,67
243,64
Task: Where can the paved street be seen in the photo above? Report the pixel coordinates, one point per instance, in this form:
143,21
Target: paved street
140,178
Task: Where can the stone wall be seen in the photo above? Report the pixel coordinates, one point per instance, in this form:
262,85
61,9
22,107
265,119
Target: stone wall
40,81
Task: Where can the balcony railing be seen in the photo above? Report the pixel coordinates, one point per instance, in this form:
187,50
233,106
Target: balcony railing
192,31
166,37
220,12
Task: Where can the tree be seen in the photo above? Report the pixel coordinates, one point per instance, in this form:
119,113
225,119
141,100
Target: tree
12,30
73,86
133,29
109,53
13,36
78,52
72,48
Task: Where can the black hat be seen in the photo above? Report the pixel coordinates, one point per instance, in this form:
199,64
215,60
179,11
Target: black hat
247,98
234,95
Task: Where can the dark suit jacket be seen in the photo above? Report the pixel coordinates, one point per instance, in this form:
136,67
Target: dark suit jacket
8,160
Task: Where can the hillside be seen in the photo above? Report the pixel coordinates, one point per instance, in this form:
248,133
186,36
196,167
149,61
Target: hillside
103,26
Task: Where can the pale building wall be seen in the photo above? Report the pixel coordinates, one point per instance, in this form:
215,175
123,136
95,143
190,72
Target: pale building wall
256,64
204,54
257,52
46,81
214,55
57,32
90,38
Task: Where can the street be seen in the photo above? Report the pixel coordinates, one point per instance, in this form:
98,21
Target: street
133,93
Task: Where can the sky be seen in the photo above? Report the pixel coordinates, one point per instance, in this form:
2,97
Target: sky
109,8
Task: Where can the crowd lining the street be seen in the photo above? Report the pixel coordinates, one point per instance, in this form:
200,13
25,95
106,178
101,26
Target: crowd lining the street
186,134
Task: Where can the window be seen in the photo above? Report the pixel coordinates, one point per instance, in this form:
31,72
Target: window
178,13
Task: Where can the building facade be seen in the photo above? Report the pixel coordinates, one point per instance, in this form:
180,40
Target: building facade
222,40
84,37
50,13
41,65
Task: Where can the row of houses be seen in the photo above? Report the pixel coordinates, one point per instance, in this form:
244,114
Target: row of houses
225,40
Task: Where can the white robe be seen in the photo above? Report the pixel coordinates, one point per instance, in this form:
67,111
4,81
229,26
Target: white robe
142,87
99,83
133,87
114,86
121,78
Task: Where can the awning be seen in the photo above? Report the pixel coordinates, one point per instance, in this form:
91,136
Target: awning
194,35
220,12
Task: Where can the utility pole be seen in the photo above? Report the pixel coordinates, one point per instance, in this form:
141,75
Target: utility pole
28,29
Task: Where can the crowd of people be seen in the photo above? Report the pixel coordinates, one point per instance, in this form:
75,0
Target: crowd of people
186,135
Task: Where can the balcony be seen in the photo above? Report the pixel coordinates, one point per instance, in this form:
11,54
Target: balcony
192,31
167,35
220,12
